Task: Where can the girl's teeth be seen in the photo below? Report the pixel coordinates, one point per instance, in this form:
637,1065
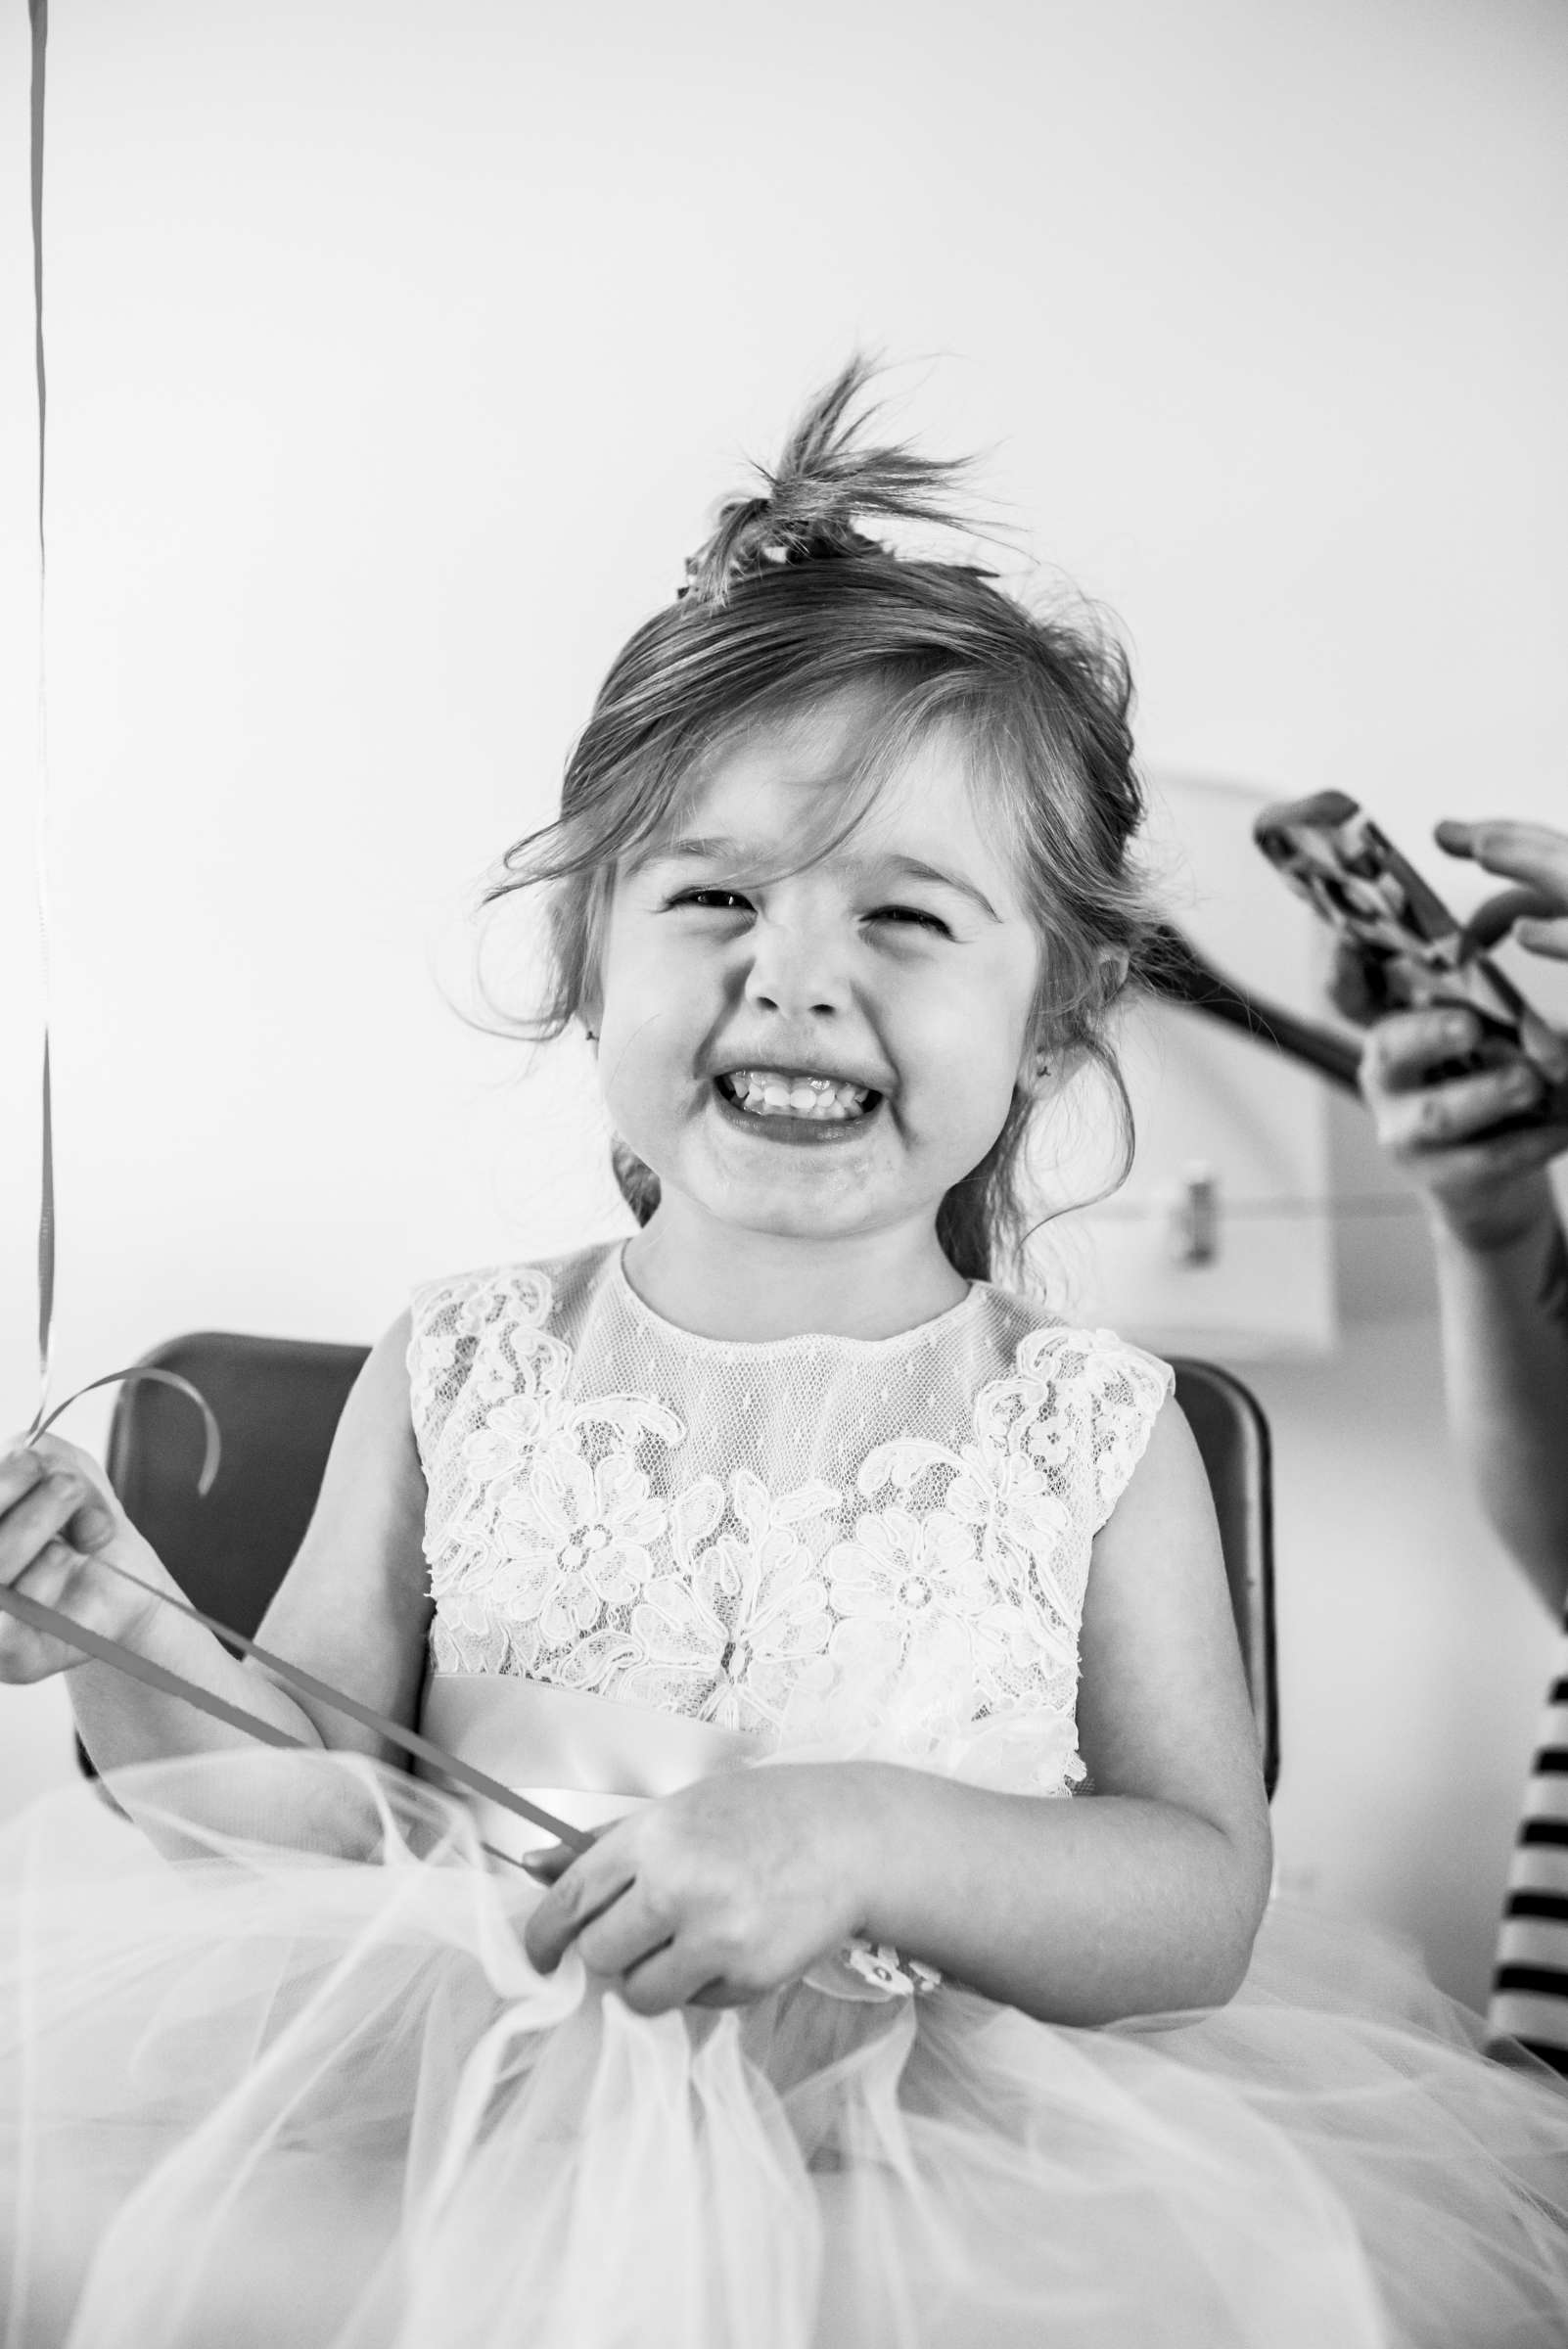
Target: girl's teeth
766,1094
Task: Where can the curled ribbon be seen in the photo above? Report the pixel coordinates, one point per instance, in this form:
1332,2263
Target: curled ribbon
21,1604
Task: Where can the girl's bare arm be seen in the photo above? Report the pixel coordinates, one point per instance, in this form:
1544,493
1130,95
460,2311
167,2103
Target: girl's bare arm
1146,1895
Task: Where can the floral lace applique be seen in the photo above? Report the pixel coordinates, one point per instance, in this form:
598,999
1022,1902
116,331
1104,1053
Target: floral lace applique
869,1972
731,1630
814,1541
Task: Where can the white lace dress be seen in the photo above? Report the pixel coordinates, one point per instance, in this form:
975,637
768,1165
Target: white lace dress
271,2094
881,1538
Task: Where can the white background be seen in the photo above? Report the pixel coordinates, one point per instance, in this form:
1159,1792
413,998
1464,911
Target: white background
396,355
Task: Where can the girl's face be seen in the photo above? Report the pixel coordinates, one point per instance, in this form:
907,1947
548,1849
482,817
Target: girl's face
822,1055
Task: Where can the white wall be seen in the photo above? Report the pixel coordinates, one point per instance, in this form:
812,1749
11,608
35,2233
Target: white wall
397,353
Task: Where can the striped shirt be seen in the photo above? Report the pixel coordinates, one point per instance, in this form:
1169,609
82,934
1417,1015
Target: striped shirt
1530,1988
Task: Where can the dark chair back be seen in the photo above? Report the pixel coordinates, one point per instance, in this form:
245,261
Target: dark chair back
1232,1437
278,1402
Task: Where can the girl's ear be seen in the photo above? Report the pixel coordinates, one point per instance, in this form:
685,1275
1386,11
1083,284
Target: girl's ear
1037,1066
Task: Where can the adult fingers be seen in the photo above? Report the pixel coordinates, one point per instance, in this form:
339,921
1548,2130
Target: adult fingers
1464,1110
1355,984
1543,937
596,1877
1484,1168
1495,917
1402,1051
1529,853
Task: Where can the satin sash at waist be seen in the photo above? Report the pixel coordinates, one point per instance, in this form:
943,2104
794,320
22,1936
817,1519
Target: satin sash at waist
588,1759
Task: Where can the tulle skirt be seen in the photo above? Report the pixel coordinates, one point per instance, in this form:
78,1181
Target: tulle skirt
253,2091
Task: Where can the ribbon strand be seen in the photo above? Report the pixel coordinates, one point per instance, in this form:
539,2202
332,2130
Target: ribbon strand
104,1650
43,1417
293,1678
38,13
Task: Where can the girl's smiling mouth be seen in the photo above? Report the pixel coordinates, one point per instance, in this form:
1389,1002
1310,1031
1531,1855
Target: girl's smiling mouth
791,1105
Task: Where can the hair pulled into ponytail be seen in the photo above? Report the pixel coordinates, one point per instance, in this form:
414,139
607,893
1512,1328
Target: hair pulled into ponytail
823,480
790,604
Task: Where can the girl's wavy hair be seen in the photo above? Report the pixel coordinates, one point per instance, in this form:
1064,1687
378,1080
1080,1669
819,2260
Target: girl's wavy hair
788,606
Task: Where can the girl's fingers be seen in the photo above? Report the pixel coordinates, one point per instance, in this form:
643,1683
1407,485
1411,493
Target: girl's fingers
92,1527
26,1655
54,1452
721,1993
624,1935
675,1977
25,1467
32,1522
548,1862
19,1470
595,1878
52,1578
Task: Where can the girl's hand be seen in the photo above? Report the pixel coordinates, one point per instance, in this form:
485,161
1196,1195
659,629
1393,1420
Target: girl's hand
57,1516
717,1894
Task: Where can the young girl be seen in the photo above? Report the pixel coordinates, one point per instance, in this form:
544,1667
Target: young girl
906,1993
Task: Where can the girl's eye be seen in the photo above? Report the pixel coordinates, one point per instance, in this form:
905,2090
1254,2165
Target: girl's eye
912,913
730,900
709,900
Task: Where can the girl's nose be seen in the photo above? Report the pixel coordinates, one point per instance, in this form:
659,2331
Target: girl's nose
795,969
